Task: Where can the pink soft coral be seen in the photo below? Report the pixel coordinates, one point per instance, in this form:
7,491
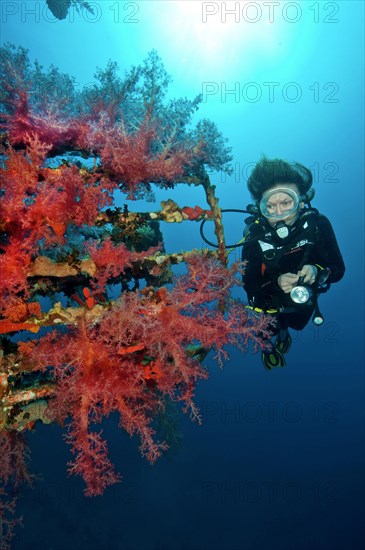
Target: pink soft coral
59,132
128,158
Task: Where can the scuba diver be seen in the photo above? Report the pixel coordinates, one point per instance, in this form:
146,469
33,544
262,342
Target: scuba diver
291,252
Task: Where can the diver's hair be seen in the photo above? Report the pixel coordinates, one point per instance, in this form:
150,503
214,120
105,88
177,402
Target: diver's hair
268,173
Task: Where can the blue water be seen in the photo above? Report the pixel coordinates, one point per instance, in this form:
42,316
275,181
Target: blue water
279,460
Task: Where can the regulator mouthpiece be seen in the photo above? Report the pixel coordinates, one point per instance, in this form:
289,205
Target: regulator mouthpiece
282,230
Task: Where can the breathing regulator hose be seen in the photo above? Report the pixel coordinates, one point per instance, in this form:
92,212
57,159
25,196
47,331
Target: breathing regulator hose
236,245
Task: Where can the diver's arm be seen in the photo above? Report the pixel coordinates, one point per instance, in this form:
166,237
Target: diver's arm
327,254
258,283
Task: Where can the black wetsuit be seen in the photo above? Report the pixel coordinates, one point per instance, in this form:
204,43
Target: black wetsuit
311,241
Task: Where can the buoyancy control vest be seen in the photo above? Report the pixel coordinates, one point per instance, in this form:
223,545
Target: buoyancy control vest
303,234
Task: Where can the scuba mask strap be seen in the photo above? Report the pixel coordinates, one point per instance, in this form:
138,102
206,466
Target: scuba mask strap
308,196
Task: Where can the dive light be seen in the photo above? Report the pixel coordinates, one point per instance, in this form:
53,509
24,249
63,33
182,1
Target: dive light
302,293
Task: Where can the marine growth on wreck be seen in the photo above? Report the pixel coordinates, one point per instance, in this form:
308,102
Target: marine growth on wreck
93,320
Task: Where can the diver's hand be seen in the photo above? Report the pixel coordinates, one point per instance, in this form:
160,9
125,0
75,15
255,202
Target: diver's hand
309,272
287,281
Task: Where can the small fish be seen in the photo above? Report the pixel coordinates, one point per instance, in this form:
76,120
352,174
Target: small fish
59,8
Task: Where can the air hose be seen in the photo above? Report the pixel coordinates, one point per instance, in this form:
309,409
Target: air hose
216,245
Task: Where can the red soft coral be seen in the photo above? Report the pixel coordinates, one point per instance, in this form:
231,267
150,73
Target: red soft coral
14,455
37,206
112,260
101,367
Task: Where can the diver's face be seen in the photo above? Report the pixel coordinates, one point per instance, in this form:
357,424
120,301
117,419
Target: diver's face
280,203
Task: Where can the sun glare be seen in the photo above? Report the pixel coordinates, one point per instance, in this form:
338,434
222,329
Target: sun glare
206,34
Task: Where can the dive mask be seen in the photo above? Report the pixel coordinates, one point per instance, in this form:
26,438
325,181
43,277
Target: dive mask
279,204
